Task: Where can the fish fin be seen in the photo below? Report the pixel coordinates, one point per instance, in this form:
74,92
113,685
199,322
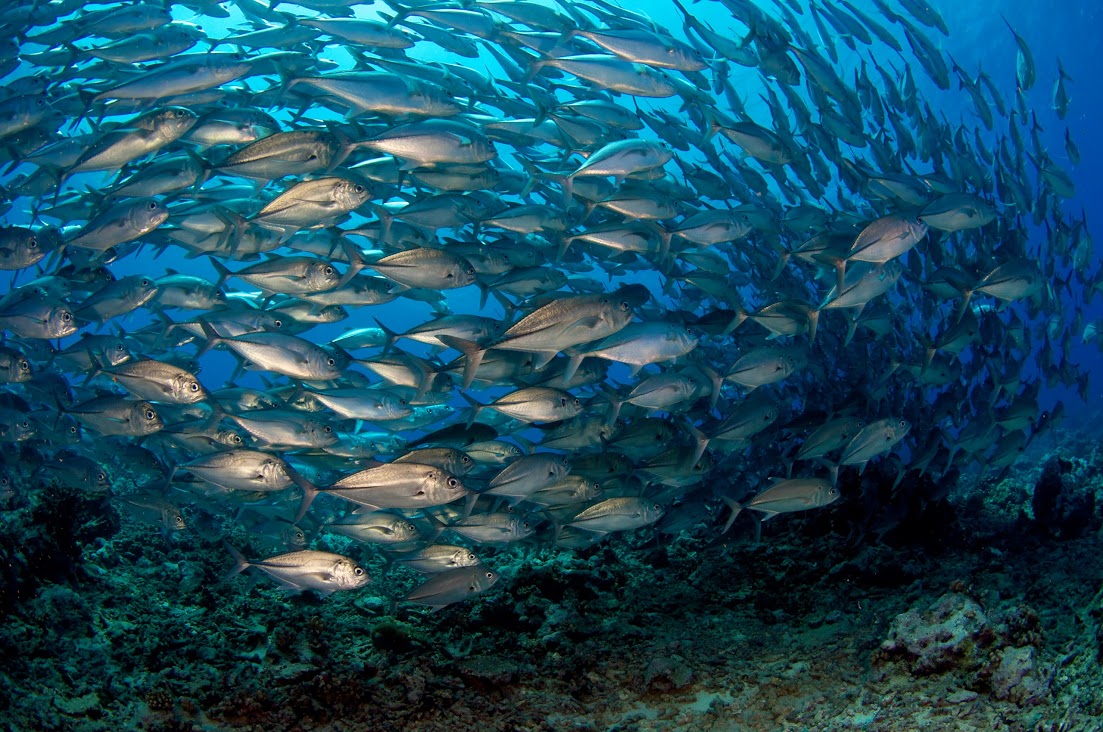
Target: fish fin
476,407
472,352
389,336
310,491
573,362
240,563
736,508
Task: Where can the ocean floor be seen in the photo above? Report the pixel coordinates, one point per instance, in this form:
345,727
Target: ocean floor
968,613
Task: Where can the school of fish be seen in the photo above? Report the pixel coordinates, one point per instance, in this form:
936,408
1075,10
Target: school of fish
709,265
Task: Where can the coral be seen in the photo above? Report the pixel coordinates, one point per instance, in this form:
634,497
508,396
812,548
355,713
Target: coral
949,634
160,700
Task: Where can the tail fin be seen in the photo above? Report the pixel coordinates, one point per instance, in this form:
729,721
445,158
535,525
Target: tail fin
240,563
473,353
736,508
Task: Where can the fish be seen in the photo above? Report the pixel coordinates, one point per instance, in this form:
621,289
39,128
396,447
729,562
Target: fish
787,496
1024,63
306,569
452,585
874,439
617,514
574,263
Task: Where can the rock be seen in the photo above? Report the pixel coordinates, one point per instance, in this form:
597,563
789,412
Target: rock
946,635
666,673
961,697
79,706
1063,505
1018,679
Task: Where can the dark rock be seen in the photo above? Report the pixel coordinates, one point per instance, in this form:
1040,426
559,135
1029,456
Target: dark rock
1063,508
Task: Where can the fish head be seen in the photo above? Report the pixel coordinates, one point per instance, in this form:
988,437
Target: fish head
652,512
349,575
915,229
443,487
482,580
172,519
144,419
321,435
294,536
187,389
461,274
322,276
60,322
406,531
145,216
333,313
174,122
351,194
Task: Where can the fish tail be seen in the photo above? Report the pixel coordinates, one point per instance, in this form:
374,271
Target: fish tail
213,338
389,336
813,324
476,407
310,491
568,192
472,352
240,563
736,508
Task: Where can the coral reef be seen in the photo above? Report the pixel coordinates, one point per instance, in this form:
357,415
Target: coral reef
977,624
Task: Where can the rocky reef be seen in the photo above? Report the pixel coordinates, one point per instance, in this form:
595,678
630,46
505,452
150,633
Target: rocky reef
989,618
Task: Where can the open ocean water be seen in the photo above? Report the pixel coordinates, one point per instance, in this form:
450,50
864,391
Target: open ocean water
722,365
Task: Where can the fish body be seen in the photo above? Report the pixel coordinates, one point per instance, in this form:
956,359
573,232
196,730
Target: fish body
307,569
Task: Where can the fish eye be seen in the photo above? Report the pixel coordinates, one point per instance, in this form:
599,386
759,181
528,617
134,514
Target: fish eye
358,188
40,102
327,429
624,305
66,316
151,415
359,571
101,477
144,282
194,386
23,365
577,402
452,483
470,270
152,205
328,270
73,429
489,575
331,361
26,424
465,460
277,323
903,422
32,242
